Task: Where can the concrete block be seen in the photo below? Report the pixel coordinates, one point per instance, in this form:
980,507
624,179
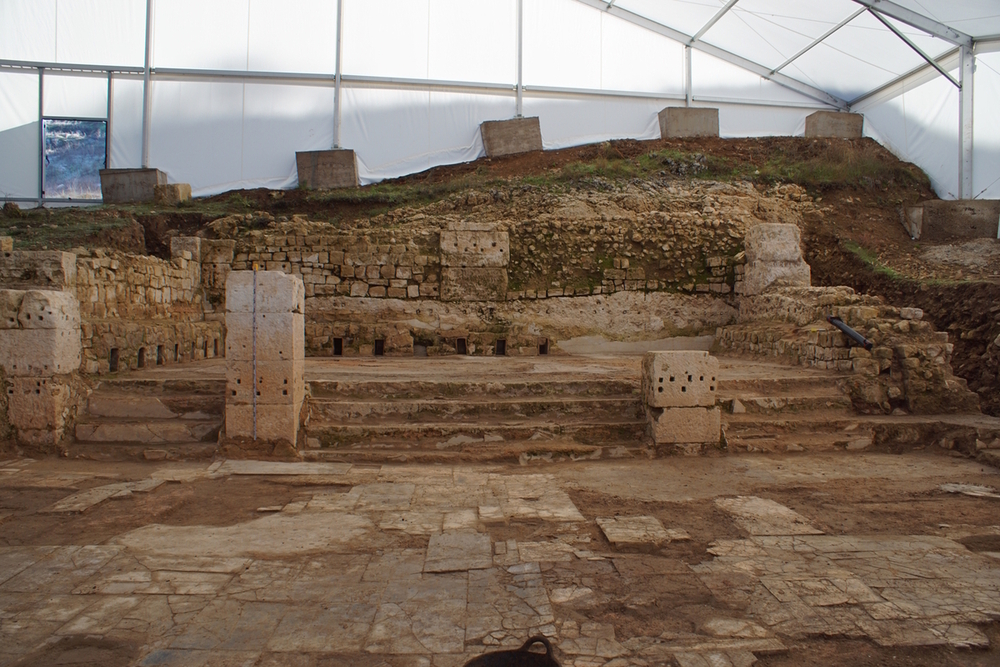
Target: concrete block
277,292
45,309
773,242
38,269
10,306
172,194
39,352
475,248
679,379
327,169
508,137
191,244
280,336
274,422
835,124
678,122
127,186
953,220
759,276
473,284
277,383
686,426
37,403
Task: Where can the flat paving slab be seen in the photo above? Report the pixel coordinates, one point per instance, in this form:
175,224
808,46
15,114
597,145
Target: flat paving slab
433,564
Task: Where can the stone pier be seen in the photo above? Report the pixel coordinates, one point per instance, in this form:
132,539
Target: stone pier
774,258
509,137
265,329
679,389
680,122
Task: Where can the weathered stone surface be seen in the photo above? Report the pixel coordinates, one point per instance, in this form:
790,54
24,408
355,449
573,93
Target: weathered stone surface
172,194
507,137
38,269
688,122
190,244
759,276
49,310
10,306
474,248
38,403
452,552
952,220
280,336
473,284
39,352
126,186
760,516
633,530
274,422
679,379
682,426
835,124
773,242
278,382
276,292
336,168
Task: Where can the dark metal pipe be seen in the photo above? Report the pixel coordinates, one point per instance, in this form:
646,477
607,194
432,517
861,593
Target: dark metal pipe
850,333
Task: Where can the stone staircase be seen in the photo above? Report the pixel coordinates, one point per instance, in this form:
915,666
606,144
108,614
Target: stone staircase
476,418
130,417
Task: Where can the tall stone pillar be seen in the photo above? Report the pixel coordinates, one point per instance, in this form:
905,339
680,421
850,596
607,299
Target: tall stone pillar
265,356
40,355
679,390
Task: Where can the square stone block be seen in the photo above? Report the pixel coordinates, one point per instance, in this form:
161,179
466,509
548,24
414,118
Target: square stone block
190,244
125,186
280,336
39,352
759,276
38,269
686,426
475,248
473,284
6,243
172,194
37,403
336,168
274,422
836,124
10,306
508,137
277,292
679,122
773,242
278,382
679,379
45,309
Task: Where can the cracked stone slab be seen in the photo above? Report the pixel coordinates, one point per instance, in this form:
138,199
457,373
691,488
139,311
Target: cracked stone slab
974,490
453,552
84,500
281,468
759,516
636,530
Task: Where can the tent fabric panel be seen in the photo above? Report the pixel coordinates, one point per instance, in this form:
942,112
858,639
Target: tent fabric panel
126,123
986,145
386,38
572,122
101,32
737,120
562,44
196,133
687,16
636,59
711,77
76,95
978,18
19,135
472,41
201,35
278,121
281,40
35,36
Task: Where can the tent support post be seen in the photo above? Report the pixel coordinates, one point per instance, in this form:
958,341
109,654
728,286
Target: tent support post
41,136
687,75
107,129
337,75
520,59
145,85
966,127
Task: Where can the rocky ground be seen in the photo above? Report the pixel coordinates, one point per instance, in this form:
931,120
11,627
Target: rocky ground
838,559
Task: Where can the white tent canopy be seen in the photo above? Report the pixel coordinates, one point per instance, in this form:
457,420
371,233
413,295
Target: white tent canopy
222,94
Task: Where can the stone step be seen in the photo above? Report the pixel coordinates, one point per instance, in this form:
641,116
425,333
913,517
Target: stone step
174,451
162,386
557,409
519,451
442,436
140,406
800,441
485,388
784,385
752,404
149,432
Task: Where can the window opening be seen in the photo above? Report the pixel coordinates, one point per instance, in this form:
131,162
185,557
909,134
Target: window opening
177,352
141,360
159,355
113,360
338,347
543,346
501,348
461,346
215,347
379,347
73,153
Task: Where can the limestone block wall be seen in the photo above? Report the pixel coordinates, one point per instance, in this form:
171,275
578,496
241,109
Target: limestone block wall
265,358
39,358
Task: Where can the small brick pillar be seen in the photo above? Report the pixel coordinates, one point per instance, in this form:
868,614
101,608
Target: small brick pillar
265,332
40,354
679,389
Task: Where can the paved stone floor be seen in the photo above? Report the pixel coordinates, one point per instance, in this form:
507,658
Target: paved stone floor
692,562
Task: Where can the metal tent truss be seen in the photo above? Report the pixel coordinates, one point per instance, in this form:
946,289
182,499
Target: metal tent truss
885,11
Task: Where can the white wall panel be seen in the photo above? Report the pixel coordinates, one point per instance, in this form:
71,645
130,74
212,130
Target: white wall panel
101,32
716,78
636,59
562,44
197,133
473,41
19,149
293,36
35,36
126,123
201,34
386,38
567,122
740,120
688,16
76,95
986,144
